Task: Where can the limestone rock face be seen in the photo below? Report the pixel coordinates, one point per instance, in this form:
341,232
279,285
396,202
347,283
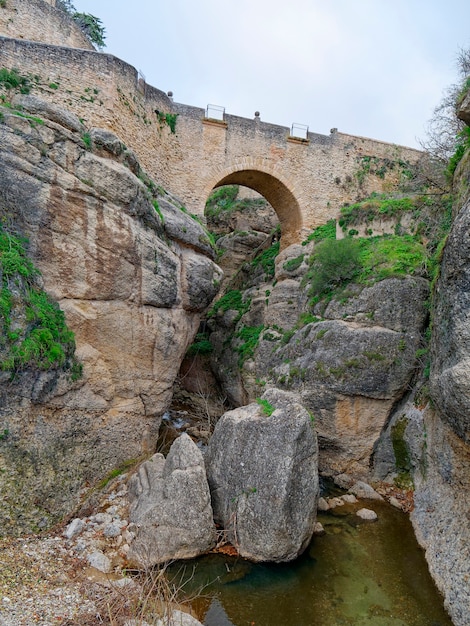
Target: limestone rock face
350,366
131,292
170,505
450,373
463,112
441,516
262,472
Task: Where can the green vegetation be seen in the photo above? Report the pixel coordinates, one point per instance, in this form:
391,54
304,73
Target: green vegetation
376,206
169,119
376,166
266,259
292,264
267,408
325,231
201,345
158,210
86,138
34,332
334,263
463,144
223,200
402,454
114,473
249,336
12,79
91,26
231,301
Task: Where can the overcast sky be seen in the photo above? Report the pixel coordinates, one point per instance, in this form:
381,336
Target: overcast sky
375,68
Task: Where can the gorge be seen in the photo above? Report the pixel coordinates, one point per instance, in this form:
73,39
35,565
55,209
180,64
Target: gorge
339,318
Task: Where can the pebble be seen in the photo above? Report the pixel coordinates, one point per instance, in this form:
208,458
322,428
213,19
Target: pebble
367,514
396,503
74,528
322,505
99,561
363,490
334,502
102,518
112,530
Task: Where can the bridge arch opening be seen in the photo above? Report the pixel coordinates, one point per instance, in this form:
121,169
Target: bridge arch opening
277,193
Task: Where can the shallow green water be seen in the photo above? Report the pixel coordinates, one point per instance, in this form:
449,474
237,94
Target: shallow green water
357,574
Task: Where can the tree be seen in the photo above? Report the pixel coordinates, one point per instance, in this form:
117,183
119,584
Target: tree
444,128
91,25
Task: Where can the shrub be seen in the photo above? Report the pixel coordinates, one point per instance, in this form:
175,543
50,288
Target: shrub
200,346
249,335
231,301
334,263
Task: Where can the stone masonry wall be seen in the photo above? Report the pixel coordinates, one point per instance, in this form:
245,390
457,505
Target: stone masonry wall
305,181
39,20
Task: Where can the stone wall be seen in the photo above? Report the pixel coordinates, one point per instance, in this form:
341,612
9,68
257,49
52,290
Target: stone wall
39,20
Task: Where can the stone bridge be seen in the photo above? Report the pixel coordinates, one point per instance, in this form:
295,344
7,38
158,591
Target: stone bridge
306,180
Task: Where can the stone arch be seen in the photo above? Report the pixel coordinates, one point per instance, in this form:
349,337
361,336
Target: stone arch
277,191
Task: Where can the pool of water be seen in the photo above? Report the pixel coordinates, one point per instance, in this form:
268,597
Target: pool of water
357,574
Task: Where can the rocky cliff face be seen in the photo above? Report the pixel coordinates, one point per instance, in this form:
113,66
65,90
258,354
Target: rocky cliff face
442,514
350,361
132,272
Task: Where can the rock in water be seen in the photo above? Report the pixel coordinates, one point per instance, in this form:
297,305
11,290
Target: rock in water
263,474
170,504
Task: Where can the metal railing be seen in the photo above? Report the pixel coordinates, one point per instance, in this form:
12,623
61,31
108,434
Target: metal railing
299,131
215,112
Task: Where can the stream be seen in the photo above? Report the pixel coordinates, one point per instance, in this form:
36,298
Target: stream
359,573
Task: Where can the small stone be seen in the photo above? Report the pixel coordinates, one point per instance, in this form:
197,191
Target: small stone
396,503
322,504
80,546
349,498
343,481
367,514
363,490
318,529
74,528
99,561
334,502
102,518
112,530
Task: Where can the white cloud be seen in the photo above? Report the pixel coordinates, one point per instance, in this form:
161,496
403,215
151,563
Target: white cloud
367,67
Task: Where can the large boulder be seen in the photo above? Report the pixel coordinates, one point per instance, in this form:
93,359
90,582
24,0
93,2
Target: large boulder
170,506
262,471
